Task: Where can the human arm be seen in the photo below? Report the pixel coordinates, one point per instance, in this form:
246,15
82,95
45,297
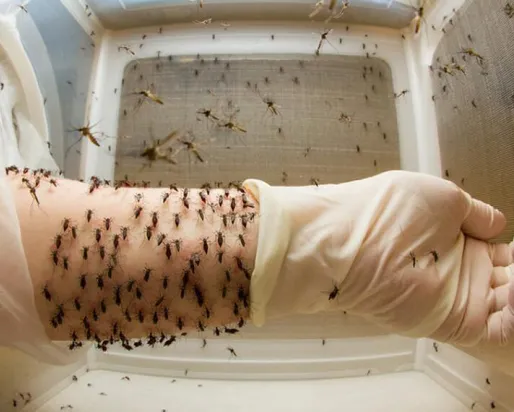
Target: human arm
94,279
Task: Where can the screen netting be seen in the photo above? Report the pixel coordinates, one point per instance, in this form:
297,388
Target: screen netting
473,79
331,118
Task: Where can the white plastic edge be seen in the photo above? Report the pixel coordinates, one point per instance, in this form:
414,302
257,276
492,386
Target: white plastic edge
265,359
77,9
419,52
465,378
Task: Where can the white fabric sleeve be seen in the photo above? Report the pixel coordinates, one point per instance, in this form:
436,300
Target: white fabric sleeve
20,326
270,252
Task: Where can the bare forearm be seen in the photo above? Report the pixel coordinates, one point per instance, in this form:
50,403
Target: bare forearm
132,262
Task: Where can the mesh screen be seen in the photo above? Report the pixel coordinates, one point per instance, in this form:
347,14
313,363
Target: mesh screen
335,119
475,109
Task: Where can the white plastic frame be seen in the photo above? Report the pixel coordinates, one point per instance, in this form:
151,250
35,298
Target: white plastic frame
265,359
240,39
419,53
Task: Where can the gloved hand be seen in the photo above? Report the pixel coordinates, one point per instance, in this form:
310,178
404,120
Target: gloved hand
406,250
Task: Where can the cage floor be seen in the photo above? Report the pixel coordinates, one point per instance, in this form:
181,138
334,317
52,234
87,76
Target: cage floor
103,391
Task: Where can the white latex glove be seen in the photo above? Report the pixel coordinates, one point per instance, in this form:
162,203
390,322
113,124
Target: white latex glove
399,248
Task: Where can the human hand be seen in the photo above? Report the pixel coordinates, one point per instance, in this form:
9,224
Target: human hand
406,250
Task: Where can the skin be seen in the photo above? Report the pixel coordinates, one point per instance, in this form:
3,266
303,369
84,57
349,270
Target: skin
42,226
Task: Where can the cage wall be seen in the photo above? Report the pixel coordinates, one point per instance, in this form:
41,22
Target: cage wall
474,99
467,145
62,55
247,39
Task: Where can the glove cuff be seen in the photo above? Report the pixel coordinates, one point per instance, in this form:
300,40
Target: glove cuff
272,246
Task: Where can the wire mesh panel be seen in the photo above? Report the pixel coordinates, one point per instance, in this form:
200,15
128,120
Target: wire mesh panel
286,121
473,72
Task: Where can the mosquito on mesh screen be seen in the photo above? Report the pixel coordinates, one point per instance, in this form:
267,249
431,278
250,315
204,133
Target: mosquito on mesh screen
317,8
191,147
336,14
208,113
126,49
231,124
345,118
146,94
471,52
271,106
156,150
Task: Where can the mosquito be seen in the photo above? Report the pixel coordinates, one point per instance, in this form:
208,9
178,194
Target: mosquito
126,49
271,106
232,125
157,152
85,131
190,146
337,14
345,118
334,292
208,114
473,53
147,94
458,67
446,69
419,16
322,39
32,191
402,93
23,6
317,8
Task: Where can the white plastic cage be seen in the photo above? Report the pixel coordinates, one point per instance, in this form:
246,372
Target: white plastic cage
307,362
